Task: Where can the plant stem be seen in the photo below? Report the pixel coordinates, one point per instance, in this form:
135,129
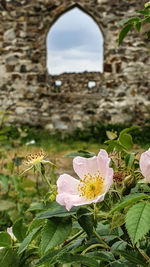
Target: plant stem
92,246
47,181
94,212
100,239
75,236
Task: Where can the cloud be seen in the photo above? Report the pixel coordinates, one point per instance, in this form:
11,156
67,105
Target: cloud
74,44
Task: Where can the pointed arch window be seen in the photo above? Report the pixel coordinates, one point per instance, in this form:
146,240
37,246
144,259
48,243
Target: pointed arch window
74,44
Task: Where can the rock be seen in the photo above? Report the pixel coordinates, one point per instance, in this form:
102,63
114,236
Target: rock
9,35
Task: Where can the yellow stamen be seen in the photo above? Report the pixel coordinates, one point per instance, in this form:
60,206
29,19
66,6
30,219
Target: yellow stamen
91,186
33,159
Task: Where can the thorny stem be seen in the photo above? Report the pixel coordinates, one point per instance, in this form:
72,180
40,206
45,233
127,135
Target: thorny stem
75,236
100,239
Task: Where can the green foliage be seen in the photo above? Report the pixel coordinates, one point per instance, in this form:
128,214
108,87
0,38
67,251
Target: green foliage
5,239
137,221
58,212
55,232
86,220
19,229
28,239
49,235
124,141
9,258
124,32
135,22
129,200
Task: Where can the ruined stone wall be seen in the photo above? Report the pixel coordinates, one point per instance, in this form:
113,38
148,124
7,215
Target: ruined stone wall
121,93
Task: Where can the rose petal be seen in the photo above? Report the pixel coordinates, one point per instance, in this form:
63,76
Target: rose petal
69,200
103,163
84,166
145,164
67,184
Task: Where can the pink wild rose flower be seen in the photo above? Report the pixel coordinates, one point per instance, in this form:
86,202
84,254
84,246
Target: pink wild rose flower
95,176
145,164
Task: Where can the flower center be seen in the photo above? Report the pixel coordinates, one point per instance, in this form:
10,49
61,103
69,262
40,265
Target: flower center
33,159
91,186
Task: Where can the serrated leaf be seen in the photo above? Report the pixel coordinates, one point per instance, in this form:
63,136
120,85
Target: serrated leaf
137,221
19,229
118,220
9,258
86,220
102,255
58,212
119,245
70,258
55,232
106,233
49,257
5,239
134,257
128,200
124,32
28,239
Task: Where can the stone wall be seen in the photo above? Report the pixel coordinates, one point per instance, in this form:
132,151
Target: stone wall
32,96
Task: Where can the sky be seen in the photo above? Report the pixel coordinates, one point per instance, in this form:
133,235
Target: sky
74,44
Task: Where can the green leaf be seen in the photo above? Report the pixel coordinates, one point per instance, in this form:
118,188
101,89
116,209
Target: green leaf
119,245
50,256
134,257
124,32
5,239
70,258
19,229
9,258
55,232
102,255
126,140
86,220
106,233
138,221
118,220
128,200
138,26
147,4
28,239
114,144
129,160
4,178
147,19
125,21
143,12
111,135
58,212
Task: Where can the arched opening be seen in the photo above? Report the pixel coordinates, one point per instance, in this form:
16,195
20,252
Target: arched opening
74,44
